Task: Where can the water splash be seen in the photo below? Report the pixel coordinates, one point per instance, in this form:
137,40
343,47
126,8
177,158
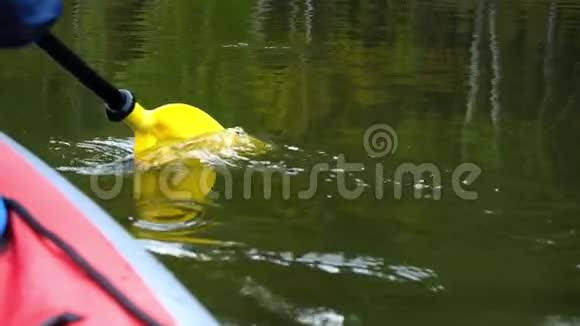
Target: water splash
112,156
99,156
224,148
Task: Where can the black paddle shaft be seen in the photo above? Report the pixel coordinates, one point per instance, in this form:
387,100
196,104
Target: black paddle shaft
119,102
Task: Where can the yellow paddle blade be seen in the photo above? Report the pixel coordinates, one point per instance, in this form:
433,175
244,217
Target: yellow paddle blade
172,183
167,123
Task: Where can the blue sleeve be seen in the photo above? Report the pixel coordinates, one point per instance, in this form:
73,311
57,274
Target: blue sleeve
23,21
3,218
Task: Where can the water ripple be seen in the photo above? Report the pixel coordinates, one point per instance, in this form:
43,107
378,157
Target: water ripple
330,262
315,316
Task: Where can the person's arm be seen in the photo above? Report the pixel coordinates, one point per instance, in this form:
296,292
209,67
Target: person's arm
24,21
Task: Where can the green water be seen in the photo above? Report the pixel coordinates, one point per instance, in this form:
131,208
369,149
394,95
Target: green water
491,83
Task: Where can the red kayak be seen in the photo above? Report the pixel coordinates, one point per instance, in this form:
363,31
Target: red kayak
64,261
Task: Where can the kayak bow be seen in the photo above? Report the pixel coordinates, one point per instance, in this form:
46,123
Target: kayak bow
63,259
